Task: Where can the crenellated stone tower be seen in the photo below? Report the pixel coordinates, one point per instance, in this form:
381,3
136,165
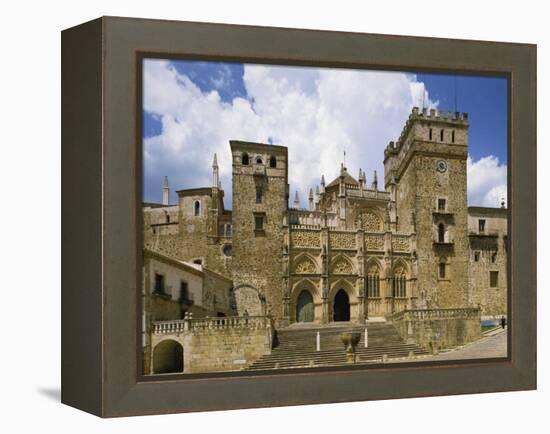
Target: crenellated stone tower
260,204
425,173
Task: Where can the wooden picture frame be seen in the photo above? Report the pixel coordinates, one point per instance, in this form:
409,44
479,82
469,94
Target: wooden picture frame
101,192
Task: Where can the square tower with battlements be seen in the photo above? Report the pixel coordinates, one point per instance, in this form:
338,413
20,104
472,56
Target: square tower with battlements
425,173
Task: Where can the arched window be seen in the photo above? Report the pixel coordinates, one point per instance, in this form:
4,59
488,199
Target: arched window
399,283
441,135
441,233
245,159
373,283
167,217
453,136
272,162
197,208
259,160
430,134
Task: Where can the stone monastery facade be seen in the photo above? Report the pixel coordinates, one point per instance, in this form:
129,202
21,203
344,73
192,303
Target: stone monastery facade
359,250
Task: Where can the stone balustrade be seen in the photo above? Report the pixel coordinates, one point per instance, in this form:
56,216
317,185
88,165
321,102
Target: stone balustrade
439,328
216,323
425,314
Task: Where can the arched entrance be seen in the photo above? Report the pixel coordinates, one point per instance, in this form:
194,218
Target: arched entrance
304,307
168,357
341,311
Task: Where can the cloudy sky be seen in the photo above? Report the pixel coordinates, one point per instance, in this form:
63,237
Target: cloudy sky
192,109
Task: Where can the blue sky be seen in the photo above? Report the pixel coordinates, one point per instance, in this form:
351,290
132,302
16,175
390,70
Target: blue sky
192,109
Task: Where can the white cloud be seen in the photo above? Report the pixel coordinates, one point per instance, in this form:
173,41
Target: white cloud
316,113
487,182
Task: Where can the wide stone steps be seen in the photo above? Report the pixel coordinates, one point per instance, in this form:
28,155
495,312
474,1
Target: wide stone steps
296,347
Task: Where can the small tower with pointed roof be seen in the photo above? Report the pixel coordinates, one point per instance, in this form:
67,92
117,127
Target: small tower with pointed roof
296,200
165,192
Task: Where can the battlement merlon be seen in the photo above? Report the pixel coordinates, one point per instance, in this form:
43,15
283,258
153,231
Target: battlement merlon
437,119
433,132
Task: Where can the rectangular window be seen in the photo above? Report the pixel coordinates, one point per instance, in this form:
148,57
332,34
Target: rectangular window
258,195
481,226
476,256
221,231
441,204
184,291
159,283
493,279
441,135
453,136
442,271
258,223
430,134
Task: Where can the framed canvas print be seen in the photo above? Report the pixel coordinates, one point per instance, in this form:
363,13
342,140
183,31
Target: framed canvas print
259,216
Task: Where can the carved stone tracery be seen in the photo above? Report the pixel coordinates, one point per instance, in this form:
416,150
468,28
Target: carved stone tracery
306,266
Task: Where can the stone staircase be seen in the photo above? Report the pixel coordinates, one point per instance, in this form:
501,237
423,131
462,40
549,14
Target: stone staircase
295,346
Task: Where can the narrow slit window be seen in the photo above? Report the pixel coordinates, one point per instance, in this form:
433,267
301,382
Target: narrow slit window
442,270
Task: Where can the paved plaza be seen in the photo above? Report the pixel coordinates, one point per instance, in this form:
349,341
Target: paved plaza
494,345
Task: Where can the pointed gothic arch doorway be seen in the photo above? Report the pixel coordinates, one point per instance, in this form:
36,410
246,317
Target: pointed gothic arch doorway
304,307
341,309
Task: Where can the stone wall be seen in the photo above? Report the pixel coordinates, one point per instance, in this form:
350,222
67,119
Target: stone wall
217,344
488,253
439,328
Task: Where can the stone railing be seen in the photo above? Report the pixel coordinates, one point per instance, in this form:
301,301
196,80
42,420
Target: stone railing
304,226
438,328
428,314
217,323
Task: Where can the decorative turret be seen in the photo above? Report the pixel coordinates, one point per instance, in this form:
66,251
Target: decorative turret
296,200
374,185
362,180
165,192
322,184
317,197
310,199
215,173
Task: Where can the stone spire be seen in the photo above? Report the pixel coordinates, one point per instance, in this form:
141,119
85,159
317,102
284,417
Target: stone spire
316,194
296,200
165,192
215,172
375,182
322,184
310,199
